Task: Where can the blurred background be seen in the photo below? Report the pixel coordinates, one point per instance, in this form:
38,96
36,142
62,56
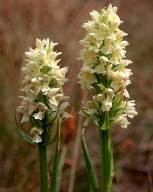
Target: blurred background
21,22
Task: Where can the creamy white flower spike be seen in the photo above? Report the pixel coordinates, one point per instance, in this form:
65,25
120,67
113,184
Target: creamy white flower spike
43,91
104,73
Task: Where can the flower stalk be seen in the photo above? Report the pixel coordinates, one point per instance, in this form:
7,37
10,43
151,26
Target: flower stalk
106,160
43,168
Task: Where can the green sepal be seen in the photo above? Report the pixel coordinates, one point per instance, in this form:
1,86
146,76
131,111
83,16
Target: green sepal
105,125
90,170
24,135
55,163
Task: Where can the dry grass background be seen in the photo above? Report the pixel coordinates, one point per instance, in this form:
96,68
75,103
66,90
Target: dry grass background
21,22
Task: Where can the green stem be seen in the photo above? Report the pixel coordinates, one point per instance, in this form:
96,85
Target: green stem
43,168
55,163
107,160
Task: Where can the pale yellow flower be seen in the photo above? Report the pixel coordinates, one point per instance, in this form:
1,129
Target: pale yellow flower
122,121
41,108
106,99
26,108
130,109
101,67
31,69
36,132
59,75
107,48
86,79
45,83
88,56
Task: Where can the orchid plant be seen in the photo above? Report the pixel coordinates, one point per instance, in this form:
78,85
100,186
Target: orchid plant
105,76
43,104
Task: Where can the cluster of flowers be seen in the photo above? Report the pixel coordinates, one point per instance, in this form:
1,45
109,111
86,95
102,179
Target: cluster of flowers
104,74
43,98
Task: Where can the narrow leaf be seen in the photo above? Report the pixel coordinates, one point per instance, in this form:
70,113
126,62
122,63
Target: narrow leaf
90,170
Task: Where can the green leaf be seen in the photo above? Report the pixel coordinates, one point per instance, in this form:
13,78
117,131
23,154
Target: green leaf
24,135
105,125
90,170
55,163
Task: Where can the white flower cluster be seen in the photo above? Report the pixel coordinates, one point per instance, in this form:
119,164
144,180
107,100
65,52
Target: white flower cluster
104,74
43,81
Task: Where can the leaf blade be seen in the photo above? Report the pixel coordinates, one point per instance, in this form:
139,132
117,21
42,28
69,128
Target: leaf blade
90,170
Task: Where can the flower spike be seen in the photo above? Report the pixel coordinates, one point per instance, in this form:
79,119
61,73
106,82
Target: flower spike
104,73
43,92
